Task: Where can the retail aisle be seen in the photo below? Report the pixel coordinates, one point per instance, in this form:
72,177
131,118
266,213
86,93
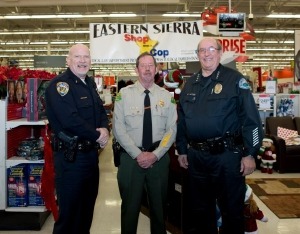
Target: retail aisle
107,210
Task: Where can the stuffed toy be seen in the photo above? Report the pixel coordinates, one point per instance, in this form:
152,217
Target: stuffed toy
252,213
267,155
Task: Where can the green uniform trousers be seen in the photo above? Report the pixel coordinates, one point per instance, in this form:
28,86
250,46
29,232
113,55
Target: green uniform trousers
132,179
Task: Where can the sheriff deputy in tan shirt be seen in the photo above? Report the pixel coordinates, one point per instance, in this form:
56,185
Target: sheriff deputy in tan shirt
140,168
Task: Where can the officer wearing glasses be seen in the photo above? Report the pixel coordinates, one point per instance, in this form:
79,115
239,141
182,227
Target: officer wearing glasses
219,134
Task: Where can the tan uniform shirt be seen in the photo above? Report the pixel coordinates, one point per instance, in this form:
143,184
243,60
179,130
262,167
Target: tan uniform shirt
129,113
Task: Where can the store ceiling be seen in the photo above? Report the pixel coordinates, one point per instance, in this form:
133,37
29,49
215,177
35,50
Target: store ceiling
20,39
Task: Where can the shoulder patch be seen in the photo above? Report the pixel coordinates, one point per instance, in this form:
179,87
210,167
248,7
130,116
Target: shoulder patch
243,84
118,97
62,88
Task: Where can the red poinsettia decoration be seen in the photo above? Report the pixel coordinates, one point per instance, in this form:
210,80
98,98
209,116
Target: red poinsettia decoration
38,74
15,73
8,73
3,76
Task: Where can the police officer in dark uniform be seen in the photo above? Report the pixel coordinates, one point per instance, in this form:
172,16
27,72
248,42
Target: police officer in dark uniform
80,126
219,134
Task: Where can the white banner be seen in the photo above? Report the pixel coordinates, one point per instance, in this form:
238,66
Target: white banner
123,43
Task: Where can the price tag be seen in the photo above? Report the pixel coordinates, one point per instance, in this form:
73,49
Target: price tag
264,102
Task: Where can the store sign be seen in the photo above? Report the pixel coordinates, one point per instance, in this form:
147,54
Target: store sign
49,61
234,48
122,43
234,44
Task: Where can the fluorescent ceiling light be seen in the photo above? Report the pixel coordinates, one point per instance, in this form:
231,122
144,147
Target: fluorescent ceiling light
272,59
33,50
60,16
177,14
270,49
274,31
273,55
64,16
45,43
122,15
270,42
284,16
287,62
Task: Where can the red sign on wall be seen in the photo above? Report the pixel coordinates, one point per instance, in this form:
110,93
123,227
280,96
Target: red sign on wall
234,44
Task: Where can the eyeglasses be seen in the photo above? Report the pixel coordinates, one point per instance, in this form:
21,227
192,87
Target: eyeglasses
210,50
145,65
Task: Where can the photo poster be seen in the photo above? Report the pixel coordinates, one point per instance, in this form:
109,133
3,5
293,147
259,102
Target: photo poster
297,56
16,91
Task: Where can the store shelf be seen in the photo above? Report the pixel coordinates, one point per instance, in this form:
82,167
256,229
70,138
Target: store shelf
13,161
26,209
19,122
12,131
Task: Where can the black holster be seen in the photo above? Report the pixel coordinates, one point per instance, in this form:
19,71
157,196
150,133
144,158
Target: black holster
117,150
68,144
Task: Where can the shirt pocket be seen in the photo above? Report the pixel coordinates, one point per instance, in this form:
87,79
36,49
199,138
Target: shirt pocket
85,107
133,118
188,104
159,117
220,104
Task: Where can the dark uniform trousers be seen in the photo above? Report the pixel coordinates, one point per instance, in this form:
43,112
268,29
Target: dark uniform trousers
80,177
214,177
132,180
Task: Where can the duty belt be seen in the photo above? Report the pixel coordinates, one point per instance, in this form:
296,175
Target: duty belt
84,145
217,145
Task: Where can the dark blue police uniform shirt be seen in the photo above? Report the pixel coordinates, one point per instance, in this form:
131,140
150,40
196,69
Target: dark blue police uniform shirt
75,107
219,105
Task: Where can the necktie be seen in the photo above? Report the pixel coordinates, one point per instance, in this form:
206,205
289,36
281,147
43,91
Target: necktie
147,124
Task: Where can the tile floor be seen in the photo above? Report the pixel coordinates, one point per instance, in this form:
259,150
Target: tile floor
107,209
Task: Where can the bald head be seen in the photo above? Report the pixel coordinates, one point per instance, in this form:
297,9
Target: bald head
79,60
213,41
76,48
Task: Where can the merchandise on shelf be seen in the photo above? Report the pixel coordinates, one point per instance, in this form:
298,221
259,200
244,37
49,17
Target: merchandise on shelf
285,107
36,105
24,185
17,195
35,184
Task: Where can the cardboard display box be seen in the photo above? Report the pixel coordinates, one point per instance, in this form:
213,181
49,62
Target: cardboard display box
35,184
17,195
36,103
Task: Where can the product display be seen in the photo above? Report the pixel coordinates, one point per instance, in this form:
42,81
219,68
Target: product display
36,105
30,149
